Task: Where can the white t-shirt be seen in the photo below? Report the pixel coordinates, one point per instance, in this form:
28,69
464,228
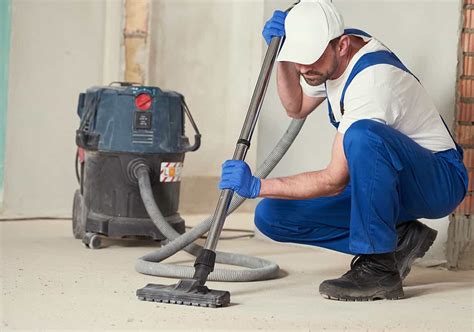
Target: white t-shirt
386,94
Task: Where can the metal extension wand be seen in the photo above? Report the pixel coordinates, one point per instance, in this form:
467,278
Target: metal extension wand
205,261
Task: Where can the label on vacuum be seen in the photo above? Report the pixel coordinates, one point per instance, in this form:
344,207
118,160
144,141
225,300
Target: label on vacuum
171,172
143,120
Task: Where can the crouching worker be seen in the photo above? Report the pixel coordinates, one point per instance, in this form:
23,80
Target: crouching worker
393,158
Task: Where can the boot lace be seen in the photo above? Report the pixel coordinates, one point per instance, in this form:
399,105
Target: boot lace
362,264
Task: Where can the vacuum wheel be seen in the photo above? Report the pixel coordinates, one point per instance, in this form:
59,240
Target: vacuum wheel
92,240
79,215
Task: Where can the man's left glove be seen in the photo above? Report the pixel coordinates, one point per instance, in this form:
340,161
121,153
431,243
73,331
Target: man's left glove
275,26
236,175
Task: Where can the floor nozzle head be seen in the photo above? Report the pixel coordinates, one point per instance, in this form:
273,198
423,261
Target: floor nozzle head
187,292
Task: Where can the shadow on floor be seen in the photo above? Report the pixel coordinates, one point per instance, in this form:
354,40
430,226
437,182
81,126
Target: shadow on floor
429,281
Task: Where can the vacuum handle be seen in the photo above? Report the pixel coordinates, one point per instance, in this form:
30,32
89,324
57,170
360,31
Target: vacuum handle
197,136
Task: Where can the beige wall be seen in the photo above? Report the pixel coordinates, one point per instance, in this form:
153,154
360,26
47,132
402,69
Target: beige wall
210,51
56,53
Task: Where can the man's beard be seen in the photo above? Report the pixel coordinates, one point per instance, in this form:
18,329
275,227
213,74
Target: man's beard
317,78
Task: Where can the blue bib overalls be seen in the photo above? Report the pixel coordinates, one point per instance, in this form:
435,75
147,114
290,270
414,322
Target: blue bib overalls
392,180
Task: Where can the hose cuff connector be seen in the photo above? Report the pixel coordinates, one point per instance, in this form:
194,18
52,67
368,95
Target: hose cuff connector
133,167
204,265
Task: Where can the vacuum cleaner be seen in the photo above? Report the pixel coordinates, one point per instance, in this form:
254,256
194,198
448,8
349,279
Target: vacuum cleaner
108,149
123,125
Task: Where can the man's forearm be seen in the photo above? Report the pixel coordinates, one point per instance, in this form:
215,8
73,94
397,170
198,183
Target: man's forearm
289,89
295,102
302,186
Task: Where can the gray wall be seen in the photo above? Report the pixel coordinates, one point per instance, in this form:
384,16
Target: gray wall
56,53
424,34
210,51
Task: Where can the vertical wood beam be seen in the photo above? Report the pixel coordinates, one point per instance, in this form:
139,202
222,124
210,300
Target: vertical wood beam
136,44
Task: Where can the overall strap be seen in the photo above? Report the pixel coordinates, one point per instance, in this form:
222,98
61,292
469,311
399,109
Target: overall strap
356,32
349,31
332,119
372,59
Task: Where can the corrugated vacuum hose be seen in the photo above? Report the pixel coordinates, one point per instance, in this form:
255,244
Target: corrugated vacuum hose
259,269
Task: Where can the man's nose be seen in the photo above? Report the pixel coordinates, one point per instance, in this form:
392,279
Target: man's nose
302,68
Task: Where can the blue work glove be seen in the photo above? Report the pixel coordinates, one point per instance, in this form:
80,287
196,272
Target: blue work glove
274,26
236,175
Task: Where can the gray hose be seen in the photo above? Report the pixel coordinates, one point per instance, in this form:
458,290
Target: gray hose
259,269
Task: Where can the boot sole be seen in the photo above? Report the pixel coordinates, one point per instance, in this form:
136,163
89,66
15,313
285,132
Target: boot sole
394,294
429,236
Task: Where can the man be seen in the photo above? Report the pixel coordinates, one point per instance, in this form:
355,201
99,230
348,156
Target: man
393,159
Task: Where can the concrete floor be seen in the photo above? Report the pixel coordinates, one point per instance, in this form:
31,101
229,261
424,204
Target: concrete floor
50,281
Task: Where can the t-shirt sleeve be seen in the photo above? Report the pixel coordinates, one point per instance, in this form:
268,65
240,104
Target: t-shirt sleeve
366,100
312,91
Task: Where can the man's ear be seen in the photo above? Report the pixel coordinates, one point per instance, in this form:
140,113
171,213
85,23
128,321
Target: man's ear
344,45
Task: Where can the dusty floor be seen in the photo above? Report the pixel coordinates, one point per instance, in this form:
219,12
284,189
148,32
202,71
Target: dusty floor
50,281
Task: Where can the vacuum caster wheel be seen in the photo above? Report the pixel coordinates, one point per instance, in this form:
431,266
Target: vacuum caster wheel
92,240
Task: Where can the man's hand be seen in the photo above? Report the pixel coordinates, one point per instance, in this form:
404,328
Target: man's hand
275,27
237,176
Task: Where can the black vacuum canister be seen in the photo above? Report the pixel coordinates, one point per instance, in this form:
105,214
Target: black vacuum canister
121,125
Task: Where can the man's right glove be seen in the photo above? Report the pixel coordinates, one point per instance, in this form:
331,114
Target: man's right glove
237,176
274,26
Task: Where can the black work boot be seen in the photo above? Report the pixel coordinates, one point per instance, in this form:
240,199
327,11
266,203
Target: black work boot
414,240
371,277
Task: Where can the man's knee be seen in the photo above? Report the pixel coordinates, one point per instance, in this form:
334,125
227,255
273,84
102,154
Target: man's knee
361,136
262,215
265,220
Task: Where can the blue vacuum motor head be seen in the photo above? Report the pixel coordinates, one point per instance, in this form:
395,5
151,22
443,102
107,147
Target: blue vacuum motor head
133,119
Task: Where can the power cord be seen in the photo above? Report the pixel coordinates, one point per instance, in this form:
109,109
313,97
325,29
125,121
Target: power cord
248,233
34,218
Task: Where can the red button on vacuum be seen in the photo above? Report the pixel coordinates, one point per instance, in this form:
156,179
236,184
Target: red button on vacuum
143,101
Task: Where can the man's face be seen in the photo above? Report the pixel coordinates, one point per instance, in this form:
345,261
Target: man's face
322,70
